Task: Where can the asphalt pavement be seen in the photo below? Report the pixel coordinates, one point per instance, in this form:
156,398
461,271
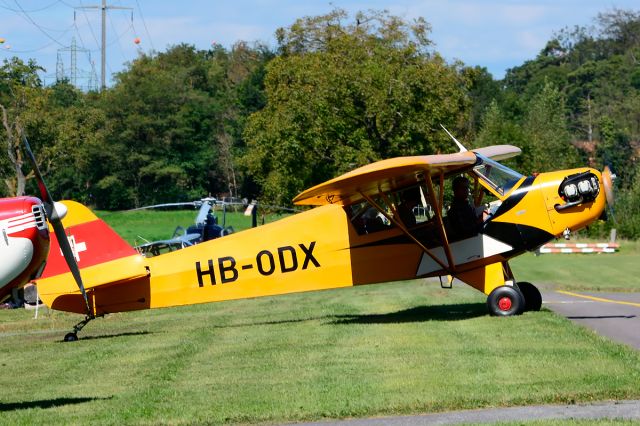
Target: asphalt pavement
625,410
614,315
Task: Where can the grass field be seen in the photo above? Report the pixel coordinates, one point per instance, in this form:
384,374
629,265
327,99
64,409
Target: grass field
395,348
387,349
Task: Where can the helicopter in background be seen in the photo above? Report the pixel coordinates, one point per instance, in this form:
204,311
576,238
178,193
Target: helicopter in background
205,228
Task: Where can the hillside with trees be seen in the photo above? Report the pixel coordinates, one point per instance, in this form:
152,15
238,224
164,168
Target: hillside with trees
337,92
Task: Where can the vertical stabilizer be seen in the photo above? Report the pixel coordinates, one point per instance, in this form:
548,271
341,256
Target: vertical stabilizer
103,257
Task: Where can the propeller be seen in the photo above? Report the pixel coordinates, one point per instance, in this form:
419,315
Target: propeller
55,215
607,181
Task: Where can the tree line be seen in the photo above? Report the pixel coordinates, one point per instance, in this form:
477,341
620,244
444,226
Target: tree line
337,92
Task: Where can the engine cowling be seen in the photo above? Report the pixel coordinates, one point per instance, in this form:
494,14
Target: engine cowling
24,242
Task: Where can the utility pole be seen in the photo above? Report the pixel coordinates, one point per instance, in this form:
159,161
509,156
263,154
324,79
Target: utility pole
103,7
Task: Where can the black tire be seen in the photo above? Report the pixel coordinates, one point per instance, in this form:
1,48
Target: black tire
505,301
532,296
70,337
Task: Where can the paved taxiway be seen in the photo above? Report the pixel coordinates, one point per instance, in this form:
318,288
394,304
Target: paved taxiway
614,315
621,410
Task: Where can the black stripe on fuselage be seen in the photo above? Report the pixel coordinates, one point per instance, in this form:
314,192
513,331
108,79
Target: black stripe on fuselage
520,237
516,197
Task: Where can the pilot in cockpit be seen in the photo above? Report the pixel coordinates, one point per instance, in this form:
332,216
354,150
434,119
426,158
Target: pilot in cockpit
410,199
462,219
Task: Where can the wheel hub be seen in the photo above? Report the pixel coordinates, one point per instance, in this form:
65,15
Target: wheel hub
504,304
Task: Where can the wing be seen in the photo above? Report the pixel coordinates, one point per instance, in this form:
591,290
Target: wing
382,176
498,152
387,175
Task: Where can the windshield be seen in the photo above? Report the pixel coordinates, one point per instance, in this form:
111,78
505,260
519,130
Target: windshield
499,177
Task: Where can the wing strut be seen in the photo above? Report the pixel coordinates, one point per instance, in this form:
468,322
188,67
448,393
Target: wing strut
403,228
438,211
441,199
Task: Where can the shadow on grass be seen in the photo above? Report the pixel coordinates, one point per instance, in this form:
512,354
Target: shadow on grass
110,336
455,312
47,403
418,314
275,322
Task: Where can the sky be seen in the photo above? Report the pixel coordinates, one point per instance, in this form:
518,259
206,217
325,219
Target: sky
496,34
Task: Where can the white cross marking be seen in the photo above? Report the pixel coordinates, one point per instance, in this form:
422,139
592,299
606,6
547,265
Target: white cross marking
76,248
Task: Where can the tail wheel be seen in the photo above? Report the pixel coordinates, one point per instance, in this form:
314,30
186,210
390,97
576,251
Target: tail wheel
505,301
532,296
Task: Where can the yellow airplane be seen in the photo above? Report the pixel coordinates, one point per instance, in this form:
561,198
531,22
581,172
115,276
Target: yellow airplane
359,233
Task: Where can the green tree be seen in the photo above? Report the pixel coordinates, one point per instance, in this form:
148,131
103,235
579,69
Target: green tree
499,130
344,92
20,93
627,209
174,125
614,149
547,140
483,92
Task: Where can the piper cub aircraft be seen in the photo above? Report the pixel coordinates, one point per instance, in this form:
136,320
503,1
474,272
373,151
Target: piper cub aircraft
356,235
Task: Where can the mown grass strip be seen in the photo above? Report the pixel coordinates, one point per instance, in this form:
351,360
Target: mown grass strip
395,348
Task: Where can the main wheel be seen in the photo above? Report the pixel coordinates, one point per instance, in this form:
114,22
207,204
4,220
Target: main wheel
70,337
505,301
532,296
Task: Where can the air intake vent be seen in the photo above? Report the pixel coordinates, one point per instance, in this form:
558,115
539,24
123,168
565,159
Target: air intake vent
41,218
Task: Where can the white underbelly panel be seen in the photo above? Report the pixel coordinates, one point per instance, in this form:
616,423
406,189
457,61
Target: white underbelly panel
463,251
15,256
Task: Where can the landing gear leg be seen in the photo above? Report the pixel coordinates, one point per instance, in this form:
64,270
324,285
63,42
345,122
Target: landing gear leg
73,336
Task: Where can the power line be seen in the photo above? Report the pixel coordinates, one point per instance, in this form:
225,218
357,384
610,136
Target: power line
111,43
113,27
86,18
87,51
33,10
30,50
36,25
57,36
145,25
103,7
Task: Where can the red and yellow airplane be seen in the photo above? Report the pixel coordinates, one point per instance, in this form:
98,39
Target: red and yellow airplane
25,237
356,235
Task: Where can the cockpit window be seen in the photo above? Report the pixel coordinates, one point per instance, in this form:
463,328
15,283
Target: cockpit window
366,219
499,177
410,204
